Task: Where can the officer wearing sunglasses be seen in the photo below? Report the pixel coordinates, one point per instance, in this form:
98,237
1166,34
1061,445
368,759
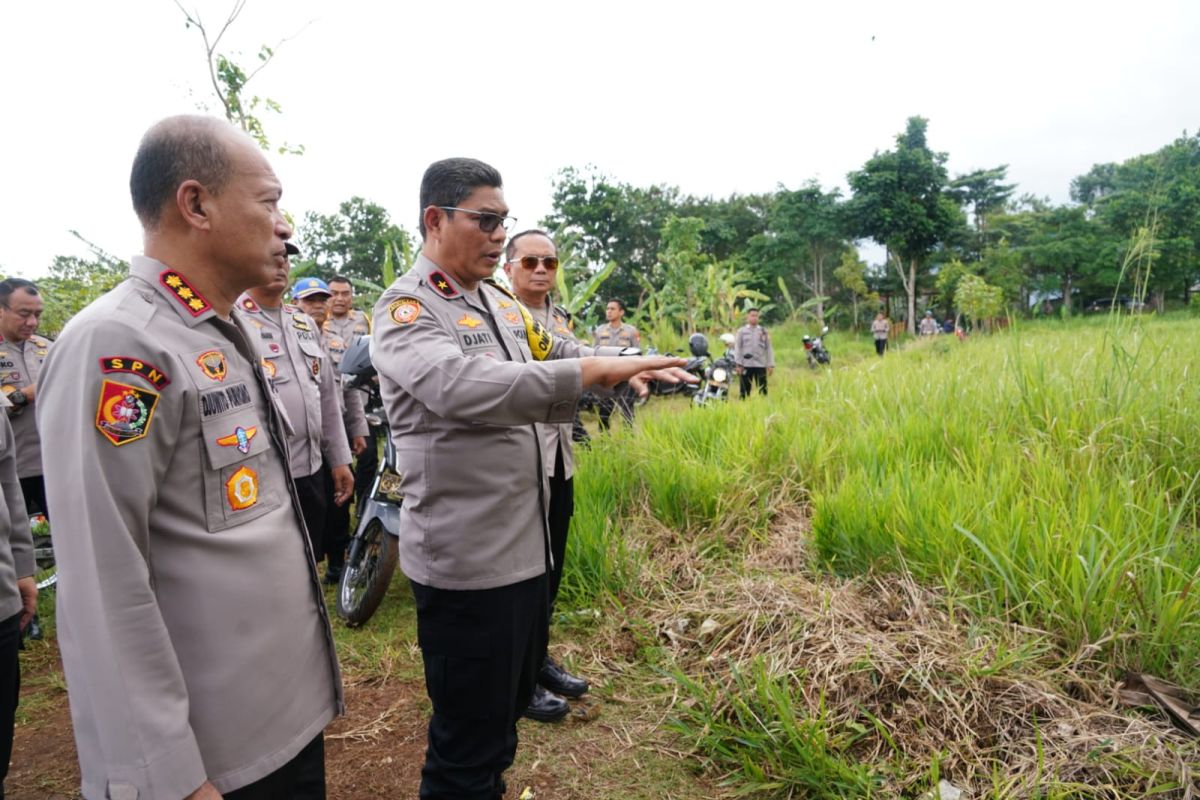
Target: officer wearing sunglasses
465,373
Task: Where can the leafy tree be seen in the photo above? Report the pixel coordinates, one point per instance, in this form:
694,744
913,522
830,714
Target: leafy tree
901,199
803,241
1064,249
851,273
977,300
74,282
984,193
229,79
353,242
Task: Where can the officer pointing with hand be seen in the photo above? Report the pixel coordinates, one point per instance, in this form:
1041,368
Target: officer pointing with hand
465,372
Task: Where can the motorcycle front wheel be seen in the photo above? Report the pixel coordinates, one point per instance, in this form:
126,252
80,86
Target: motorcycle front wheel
367,574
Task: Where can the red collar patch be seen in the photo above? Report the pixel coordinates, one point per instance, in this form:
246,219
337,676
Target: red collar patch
442,285
188,297
249,305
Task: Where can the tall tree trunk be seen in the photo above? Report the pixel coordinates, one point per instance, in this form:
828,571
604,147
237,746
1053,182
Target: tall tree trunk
910,288
1066,293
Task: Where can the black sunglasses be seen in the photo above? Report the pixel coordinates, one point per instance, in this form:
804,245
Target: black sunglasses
488,220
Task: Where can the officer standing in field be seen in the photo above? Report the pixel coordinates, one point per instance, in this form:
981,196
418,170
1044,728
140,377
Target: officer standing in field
753,357
195,641
465,372
302,376
531,262
312,295
18,592
616,333
343,325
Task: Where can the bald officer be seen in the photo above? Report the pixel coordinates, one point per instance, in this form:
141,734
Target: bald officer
197,649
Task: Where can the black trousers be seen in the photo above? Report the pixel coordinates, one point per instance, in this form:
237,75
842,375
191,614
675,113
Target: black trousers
880,346
34,489
302,778
337,525
621,398
753,375
10,689
313,491
562,507
481,650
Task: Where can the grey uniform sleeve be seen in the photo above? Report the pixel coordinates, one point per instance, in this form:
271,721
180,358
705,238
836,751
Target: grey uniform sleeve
20,540
770,351
334,446
425,360
737,348
354,416
122,671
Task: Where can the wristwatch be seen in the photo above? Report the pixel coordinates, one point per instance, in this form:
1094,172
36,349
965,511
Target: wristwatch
18,398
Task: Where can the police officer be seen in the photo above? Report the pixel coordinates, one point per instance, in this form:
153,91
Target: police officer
22,352
18,592
616,333
312,295
465,372
531,262
753,357
343,325
301,374
197,649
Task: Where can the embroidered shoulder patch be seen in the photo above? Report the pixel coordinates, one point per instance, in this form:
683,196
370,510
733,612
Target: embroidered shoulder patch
188,297
212,364
124,412
135,366
442,284
405,310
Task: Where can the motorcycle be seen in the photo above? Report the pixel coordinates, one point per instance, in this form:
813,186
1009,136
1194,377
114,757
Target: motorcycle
695,366
46,574
718,374
375,546
814,349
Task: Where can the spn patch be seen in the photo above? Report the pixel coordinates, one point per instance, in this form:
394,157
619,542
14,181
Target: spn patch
221,401
188,297
135,366
405,310
242,489
124,412
467,321
240,438
213,365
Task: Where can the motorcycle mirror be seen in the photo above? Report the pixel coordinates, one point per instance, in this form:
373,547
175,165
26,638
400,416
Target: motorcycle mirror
698,344
357,358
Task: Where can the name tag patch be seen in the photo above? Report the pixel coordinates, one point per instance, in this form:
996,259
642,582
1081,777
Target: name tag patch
224,400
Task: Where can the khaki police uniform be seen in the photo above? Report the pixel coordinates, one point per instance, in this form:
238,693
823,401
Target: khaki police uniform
193,630
464,377
625,335
345,329
752,352
335,340
20,366
16,561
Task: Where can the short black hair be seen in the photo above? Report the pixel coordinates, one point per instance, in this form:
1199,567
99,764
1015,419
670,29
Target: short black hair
450,181
7,287
620,305
511,248
340,279
751,308
174,150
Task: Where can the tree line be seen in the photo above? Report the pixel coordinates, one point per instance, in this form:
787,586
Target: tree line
955,244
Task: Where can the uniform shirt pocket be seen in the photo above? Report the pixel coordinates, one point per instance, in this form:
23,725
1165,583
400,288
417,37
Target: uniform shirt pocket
239,480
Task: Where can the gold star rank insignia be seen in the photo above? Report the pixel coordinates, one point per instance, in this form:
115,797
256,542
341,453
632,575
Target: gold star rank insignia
182,291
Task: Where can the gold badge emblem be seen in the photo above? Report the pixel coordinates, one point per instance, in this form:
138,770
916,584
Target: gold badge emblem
212,364
242,489
504,304
513,317
269,368
468,321
405,310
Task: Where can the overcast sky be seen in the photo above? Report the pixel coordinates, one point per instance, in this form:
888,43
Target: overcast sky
715,98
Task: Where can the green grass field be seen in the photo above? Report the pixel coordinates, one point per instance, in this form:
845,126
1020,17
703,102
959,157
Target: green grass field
1033,492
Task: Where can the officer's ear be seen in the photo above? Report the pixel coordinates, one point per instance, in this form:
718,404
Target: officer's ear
191,201
434,219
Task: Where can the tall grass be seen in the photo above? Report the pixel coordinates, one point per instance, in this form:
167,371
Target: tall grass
1047,473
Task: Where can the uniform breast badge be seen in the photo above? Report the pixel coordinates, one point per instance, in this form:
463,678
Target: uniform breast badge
242,489
212,364
124,412
240,438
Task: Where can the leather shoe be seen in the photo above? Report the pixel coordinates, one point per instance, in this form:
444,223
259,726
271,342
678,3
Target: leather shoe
333,576
558,680
546,707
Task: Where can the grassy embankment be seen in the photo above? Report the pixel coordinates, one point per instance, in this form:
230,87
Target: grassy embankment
1024,507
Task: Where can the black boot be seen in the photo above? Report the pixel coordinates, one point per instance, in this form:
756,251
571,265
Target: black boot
546,707
558,680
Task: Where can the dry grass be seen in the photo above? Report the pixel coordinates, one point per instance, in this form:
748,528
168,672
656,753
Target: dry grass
996,709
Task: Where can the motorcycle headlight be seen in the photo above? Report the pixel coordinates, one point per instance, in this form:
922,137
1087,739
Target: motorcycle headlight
720,375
